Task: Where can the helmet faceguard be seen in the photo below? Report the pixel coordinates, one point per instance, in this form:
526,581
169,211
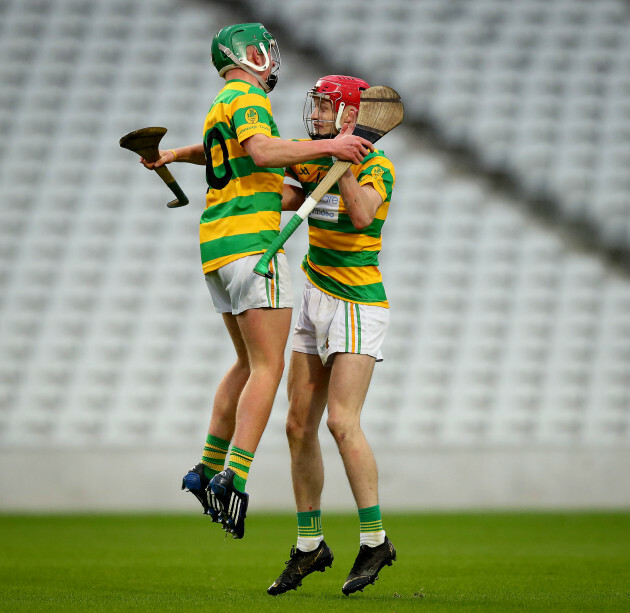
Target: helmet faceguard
341,91
229,50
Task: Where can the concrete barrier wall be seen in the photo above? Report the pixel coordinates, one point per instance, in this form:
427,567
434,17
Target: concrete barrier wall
428,479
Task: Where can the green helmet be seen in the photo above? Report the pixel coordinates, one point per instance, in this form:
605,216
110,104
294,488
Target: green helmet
229,50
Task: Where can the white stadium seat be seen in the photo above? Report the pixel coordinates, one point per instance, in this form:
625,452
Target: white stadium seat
503,332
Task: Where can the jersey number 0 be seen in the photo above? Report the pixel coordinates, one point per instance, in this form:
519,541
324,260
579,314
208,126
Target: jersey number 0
214,181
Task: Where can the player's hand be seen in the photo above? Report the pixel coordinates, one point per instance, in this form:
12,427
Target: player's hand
351,148
166,157
354,148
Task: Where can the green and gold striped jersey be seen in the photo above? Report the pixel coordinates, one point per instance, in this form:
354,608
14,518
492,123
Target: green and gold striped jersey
341,260
243,201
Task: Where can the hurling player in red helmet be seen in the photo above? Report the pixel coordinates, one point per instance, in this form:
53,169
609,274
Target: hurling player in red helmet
338,336
330,103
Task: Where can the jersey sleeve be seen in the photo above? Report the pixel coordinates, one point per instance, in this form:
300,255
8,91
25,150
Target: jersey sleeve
252,115
378,171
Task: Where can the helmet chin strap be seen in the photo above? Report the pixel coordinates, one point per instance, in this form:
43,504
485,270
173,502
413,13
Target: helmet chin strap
342,106
252,68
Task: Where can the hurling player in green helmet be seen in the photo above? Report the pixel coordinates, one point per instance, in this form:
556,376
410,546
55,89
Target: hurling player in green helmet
229,50
244,158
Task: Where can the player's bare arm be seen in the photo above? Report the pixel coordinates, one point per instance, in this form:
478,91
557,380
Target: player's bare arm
277,153
193,154
362,201
292,197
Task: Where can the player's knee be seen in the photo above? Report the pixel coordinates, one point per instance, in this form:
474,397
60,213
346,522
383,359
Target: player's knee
341,427
275,367
268,369
242,368
294,430
298,430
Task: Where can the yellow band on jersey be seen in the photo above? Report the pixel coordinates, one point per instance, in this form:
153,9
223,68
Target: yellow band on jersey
245,132
342,241
348,275
241,187
242,224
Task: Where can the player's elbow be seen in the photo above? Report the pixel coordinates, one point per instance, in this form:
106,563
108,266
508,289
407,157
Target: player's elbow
360,222
363,209
261,158
257,149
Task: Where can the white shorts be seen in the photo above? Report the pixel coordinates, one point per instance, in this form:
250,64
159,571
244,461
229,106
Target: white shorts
235,287
327,325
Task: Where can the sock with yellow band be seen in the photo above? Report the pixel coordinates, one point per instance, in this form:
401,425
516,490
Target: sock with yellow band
371,526
310,533
214,454
240,462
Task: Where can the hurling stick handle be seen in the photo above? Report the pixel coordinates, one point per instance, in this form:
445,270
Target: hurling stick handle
262,266
332,176
167,177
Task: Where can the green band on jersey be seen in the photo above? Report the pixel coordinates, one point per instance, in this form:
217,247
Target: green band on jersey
345,225
244,167
330,257
242,205
241,243
227,95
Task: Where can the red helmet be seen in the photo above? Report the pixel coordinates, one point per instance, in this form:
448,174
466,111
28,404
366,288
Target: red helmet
342,91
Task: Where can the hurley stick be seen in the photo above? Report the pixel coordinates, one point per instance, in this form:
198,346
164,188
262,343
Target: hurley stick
380,111
145,143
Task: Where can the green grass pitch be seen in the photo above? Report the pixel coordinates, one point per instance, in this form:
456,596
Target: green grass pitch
446,562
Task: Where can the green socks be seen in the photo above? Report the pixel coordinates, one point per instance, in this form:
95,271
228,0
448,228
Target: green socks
213,460
214,454
309,530
240,462
371,526
310,533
